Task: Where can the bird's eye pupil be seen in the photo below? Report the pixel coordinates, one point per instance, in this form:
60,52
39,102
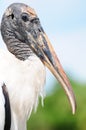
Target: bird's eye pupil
25,17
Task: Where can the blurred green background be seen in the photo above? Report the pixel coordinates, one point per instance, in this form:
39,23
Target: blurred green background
56,113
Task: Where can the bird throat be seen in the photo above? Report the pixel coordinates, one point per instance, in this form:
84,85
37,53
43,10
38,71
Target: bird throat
17,47
20,49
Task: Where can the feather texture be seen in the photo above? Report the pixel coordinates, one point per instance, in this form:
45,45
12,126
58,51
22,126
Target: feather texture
24,81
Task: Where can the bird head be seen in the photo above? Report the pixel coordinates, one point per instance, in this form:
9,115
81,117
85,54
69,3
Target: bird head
20,24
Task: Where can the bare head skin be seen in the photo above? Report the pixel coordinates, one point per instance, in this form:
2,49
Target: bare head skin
24,35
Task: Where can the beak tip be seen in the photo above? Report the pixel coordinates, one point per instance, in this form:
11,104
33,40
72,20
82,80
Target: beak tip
71,97
74,108
73,103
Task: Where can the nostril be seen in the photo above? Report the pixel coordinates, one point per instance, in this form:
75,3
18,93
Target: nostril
39,29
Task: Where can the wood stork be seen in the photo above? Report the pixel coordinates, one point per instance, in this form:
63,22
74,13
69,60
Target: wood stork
22,68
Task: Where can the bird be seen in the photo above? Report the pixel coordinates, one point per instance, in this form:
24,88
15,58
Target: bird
23,66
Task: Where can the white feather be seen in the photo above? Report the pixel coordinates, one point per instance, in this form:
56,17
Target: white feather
25,81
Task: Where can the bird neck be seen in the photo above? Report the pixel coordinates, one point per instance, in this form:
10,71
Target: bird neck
19,49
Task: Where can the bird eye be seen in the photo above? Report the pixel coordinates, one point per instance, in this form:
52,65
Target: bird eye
24,17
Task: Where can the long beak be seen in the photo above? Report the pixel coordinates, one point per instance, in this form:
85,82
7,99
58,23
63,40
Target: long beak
44,50
51,60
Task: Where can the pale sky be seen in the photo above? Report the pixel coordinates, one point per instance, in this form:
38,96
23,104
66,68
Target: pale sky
64,21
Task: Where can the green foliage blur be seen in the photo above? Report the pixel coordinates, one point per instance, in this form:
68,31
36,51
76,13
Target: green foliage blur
56,113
